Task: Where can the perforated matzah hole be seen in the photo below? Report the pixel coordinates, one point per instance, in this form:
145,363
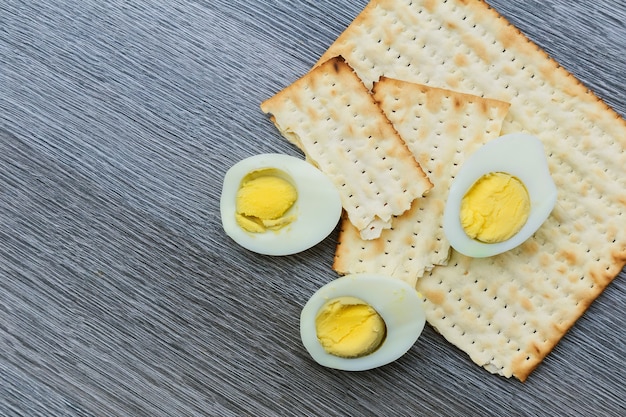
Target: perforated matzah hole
333,118
548,282
441,128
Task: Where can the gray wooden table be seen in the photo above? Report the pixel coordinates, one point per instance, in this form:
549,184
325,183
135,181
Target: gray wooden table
120,293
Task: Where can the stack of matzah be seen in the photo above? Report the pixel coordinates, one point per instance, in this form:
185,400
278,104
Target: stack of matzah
506,312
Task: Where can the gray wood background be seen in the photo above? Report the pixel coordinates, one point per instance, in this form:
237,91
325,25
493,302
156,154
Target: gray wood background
120,295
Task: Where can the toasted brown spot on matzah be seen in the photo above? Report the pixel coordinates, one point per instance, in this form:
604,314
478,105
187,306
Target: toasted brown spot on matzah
570,257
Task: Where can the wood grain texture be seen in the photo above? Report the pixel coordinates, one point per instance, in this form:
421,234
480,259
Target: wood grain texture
119,292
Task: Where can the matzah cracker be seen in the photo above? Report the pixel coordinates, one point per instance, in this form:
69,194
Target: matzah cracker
541,288
334,119
440,127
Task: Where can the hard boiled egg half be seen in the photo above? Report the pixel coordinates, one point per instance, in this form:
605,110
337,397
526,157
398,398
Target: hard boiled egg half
504,190
361,321
276,204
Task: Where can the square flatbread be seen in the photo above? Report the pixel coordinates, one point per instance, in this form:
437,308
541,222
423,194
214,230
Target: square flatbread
335,121
440,127
508,312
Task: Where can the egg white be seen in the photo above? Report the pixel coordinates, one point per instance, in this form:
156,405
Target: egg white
517,154
396,302
317,209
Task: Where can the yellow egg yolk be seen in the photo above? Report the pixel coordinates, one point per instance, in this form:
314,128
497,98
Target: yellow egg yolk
349,327
262,201
495,208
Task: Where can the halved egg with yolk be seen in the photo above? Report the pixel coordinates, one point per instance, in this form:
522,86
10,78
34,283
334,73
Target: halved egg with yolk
361,321
276,204
501,195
